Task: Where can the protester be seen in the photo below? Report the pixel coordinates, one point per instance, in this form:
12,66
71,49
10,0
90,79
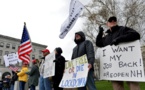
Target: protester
85,47
6,82
44,83
14,78
22,76
116,35
59,68
33,75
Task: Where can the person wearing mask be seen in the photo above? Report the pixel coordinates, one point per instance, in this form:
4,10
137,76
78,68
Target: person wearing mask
59,68
44,83
83,47
6,82
22,76
33,75
114,36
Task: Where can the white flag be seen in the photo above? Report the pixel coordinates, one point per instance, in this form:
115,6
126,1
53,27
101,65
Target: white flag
75,9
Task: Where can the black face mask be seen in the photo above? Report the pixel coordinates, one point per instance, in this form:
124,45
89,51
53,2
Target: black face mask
78,41
57,55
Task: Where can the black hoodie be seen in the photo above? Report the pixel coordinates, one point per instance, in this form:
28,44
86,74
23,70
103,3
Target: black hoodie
83,47
59,66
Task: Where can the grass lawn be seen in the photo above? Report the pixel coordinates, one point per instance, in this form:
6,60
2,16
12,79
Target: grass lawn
106,85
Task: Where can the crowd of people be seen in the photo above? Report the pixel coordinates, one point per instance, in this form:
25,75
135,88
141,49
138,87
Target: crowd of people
114,36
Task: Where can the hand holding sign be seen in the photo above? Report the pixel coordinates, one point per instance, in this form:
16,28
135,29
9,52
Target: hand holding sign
76,72
89,66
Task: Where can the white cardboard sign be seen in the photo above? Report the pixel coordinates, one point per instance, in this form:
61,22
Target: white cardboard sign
122,62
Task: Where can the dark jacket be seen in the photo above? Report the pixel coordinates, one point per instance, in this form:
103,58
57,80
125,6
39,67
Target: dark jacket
119,34
59,68
14,78
6,83
84,47
33,75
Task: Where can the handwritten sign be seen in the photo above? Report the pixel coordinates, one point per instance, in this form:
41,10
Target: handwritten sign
122,62
49,69
11,58
76,72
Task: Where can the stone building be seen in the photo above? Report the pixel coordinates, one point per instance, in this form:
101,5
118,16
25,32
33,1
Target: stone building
10,45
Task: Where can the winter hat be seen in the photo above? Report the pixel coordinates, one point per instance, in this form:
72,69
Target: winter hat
45,50
34,61
58,50
25,63
113,18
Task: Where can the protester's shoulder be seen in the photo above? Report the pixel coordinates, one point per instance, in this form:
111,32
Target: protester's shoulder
26,69
87,42
61,57
125,28
75,47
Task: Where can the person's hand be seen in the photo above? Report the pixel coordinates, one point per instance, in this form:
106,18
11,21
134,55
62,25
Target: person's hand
101,29
114,42
89,66
54,60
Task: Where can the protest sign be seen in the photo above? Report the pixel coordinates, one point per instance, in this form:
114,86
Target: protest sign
74,11
76,72
122,62
11,58
49,69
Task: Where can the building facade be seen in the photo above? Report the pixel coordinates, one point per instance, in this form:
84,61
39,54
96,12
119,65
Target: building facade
10,45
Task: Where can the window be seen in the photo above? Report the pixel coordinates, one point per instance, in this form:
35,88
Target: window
34,50
6,52
1,52
8,45
1,44
13,46
33,56
40,52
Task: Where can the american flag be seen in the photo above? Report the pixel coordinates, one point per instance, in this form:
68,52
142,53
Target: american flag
13,68
25,47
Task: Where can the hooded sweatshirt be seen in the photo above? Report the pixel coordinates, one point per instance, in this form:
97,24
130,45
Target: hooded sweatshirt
82,47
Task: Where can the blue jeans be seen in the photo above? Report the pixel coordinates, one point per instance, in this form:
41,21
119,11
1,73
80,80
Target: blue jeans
32,87
22,85
12,87
44,83
90,82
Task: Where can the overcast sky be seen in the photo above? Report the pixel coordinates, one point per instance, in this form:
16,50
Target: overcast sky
43,20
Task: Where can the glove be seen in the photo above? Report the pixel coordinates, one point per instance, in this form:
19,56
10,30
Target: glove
54,60
114,42
101,29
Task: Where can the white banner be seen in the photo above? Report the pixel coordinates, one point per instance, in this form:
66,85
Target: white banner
122,62
76,72
11,58
74,11
49,65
